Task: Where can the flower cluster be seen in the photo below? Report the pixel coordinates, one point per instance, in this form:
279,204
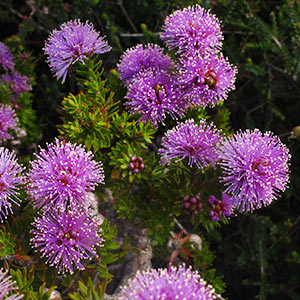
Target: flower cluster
75,41
205,75
8,121
220,207
202,76
60,179
192,29
175,283
62,175
6,58
66,238
192,141
7,286
192,205
154,94
9,181
140,58
255,168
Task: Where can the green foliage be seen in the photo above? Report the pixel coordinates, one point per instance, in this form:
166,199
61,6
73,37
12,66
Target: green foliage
222,120
203,260
28,119
88,115
88,291
132,140
7,243
125,128
107,252
24,280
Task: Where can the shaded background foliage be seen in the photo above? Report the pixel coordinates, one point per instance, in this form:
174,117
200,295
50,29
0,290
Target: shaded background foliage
258,254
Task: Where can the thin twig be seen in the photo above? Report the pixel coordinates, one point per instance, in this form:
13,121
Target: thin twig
120,3
275,67
136,34
16,13
262,273
180,226
18,261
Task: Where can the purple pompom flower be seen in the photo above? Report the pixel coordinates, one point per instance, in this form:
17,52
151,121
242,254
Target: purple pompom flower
75,41
9,181
154,94
6,58
18,83
8,121
175,283
66,238
62,175
140,58
220,207
7,286
189,140
255,168
192,29
206,79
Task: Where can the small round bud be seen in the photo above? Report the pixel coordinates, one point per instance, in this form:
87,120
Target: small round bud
296,131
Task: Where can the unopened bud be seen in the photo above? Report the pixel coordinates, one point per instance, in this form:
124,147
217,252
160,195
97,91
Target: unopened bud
296,131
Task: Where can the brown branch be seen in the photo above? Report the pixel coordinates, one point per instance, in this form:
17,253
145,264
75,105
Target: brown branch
120,3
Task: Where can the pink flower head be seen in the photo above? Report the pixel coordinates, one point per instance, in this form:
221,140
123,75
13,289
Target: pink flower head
206,79
10,180
141,58
6,58
192,29
220,207
189,140
155,94
18,83
75,41
7,286
175,283
62,175
8,121
66,238
255,168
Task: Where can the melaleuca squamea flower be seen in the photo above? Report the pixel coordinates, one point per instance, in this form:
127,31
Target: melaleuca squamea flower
255,168
176,283
62,175
155,94
206,79
8,121
220,207
18,83
140,58
6,58
75,41
192,29
188,140
7,287
10,180
66,238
